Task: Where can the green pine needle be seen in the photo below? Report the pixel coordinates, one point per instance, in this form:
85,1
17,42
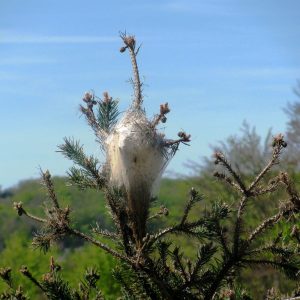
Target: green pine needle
107,114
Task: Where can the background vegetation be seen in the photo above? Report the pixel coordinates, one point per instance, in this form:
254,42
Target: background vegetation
246,150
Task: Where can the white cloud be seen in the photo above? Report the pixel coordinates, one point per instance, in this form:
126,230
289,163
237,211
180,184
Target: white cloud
205,8
9,61
257,72
14,38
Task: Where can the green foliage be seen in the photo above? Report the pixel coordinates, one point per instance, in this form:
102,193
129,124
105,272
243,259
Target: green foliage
82,257
107,113
87,175
18,253
150,263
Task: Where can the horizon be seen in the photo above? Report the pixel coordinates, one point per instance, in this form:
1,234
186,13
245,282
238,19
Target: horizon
217,63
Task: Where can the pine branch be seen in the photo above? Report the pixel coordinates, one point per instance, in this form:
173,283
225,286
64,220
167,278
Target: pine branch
130,44
161,117
5,275
205,254
74,151
196,229
278,145
107,113
184,138
163,250
271,187
18,206
194,198
228,180
220,159
56,288
100,245
91,277
24,270
163,211
88,111
267,223
178,265
290,269
106,233
292,192
222,238
50,188
273,249
218,278
81,179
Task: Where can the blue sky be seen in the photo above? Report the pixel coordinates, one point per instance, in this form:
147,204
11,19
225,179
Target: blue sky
217,63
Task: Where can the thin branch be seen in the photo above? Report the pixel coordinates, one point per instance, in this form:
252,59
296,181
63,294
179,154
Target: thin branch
24,270
163,211
130,44
100,245
265,262
267,223
46,176
105,233
179,228
189,205
220,158
278,144
292,192
18,206
183,138
40,220
238,224
229,181
218,279
161,117
178,262
222,239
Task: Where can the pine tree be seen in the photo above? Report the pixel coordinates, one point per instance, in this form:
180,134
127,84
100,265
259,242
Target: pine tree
151,265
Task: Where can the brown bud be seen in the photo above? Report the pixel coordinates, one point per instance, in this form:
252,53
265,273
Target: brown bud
18,206
106,98
87,97
123,49
185,137
218,155
5,274
193,192
24,270
164,109
47,175
279,141
129,41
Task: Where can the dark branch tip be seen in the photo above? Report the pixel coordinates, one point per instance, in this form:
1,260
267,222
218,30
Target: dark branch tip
164,109
18,206
193,192
278,141
24,270
184,136
123,49
5,273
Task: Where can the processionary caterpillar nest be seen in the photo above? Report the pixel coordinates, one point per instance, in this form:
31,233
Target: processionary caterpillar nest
136,152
